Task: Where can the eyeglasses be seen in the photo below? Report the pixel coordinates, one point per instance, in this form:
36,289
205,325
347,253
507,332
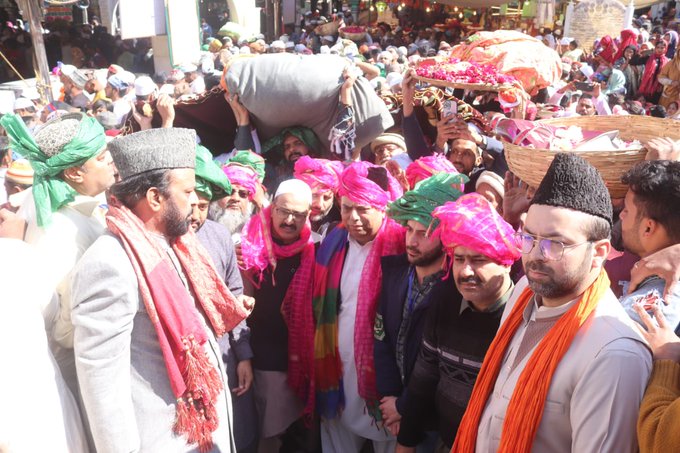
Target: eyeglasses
550,249
285,213
242,193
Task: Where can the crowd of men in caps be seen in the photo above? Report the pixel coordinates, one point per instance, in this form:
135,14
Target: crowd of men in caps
158,298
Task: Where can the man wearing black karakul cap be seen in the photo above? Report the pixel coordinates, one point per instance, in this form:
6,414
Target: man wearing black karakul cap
567,369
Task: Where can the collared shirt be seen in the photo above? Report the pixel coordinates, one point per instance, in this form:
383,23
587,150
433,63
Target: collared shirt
602,377
414,299
354,417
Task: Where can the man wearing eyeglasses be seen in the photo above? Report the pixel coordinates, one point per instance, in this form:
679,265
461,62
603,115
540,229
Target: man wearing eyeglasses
278,263
234,210
567,369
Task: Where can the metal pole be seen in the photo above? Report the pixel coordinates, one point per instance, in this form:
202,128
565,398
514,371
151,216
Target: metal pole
277,18
42,73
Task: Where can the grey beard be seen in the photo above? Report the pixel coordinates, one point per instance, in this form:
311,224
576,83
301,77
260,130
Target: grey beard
233,220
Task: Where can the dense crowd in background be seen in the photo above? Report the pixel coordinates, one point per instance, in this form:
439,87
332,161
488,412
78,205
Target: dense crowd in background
411,295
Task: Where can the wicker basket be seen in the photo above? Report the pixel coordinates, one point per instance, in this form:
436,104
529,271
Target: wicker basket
531,164
352,36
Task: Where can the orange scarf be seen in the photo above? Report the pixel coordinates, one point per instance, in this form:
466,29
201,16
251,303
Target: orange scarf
528,399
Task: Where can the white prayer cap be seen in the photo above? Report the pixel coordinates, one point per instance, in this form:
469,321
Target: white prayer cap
23,103
188,67
168,89
127,77
144,86
278,44
587,70
297,187
67,69
30,93
101,76
393,78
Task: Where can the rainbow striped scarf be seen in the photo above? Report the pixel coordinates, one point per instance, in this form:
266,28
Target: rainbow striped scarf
330,259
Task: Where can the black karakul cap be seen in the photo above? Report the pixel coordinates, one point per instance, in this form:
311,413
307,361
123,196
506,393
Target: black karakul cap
571,182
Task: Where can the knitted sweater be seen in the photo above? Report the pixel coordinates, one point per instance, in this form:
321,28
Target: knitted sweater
658,428
455,341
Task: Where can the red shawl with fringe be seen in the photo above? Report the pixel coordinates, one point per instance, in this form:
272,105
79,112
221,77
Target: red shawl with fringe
195,381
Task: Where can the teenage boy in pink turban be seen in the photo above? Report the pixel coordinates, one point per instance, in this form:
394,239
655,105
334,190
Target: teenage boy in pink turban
323,177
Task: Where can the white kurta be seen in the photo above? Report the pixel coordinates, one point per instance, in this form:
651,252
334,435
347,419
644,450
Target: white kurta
354,416
38,412
595,392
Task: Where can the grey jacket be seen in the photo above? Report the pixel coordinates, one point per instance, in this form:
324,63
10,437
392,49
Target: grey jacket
121,372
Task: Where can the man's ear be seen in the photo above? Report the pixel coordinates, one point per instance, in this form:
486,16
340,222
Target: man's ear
74,175
154,199
601,250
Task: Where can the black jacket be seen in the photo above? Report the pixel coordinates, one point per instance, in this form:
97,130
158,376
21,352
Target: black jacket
395,271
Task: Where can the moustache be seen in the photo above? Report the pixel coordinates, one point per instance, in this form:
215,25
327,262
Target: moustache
294,155
537,266
474,280
287,227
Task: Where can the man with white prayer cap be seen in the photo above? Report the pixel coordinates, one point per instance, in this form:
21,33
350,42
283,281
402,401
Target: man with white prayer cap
278,260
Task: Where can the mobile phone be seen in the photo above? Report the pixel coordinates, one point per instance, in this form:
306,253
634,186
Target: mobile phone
450,108
584,86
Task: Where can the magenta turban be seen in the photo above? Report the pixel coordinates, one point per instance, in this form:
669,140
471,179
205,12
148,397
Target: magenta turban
355,185
472,222
321,173
243,176
428,166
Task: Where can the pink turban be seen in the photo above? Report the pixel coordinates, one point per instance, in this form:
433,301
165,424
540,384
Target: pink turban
321,173
472,222
243,176
427,166
355,185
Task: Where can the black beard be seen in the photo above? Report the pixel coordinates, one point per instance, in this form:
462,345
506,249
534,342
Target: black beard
427,259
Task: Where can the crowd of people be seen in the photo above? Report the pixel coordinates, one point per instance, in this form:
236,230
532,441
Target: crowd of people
411,296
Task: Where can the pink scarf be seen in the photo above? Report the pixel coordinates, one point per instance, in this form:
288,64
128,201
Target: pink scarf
355,185
259,252
389,241
195,382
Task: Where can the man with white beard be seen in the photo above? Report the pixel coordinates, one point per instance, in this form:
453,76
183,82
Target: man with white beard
234,210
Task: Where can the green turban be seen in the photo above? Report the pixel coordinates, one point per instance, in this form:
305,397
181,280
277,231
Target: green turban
306,135
211,181
252,160
70,141
418,204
